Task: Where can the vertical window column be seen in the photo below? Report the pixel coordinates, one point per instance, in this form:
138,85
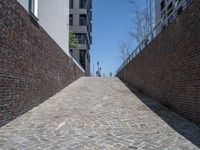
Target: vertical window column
71,4
83,20
82,4
71,20
162,5
33,7
82,54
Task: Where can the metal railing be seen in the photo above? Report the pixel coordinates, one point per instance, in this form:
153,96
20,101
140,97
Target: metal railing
157,30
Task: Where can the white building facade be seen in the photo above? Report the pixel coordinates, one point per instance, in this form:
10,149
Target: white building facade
53,16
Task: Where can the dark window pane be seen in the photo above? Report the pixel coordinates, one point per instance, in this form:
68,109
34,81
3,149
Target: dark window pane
71,4
33,7
83,20
170,6
170,9
82,57
82,38
71,20
162,5
82,4
71,51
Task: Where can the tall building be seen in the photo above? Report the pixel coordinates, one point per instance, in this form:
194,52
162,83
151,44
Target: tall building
80,20
164,8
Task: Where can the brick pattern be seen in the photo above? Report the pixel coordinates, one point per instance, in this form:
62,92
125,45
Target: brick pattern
168,69
32,66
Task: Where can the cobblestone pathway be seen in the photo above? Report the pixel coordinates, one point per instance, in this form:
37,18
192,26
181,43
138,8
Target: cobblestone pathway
99,114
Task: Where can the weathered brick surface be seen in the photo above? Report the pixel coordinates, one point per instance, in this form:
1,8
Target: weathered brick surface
168,69
32,66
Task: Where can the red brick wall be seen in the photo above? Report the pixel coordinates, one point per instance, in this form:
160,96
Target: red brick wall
32,66
168,69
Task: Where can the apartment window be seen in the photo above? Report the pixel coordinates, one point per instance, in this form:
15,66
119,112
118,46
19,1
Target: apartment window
170,9
82,54
71,4
90,27
88,57
82,38
83,20
162,5
71,51
180,10
71,20
90,37
82,4
90,15
33,7
169,6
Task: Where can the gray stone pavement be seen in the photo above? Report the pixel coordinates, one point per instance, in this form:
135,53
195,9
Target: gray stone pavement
99,114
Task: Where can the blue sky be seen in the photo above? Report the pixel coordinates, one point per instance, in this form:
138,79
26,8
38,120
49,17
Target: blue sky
112,20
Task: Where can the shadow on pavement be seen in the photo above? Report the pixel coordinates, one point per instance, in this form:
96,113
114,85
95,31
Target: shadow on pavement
182,126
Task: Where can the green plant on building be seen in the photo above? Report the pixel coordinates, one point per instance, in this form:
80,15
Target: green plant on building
73,41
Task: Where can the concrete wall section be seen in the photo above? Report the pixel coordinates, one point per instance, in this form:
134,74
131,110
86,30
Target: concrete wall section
54,18
168,69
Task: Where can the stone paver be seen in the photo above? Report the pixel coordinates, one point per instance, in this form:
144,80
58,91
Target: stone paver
98,114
